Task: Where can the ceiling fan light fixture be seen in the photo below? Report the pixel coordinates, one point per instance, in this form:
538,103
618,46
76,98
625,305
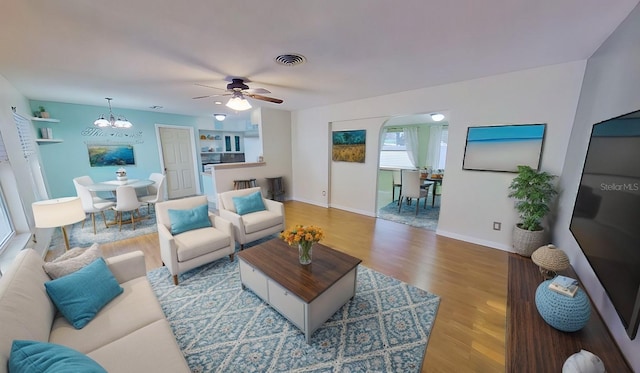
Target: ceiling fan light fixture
437,117
220,117
238,103
112,122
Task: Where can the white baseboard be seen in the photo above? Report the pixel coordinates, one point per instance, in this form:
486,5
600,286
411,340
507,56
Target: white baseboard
355,211
477,241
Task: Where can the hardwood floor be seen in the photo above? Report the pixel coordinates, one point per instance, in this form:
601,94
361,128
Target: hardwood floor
470,328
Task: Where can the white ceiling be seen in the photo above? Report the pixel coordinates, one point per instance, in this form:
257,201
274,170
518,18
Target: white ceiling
149,52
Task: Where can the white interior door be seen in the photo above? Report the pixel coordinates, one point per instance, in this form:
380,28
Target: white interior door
178,159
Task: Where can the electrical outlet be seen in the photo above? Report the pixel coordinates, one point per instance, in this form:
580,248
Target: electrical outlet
497,225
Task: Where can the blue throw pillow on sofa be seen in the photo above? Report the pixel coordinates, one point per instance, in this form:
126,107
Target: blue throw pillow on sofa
34,356
249,203
186,220
81,295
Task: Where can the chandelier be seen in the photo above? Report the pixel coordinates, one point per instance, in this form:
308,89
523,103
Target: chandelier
120,122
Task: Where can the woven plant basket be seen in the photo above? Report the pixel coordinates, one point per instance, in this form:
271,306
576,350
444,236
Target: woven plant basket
526,242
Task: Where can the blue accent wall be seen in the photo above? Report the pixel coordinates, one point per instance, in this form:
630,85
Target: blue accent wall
70,158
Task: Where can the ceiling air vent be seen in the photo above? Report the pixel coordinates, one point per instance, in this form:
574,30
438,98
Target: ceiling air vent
290,59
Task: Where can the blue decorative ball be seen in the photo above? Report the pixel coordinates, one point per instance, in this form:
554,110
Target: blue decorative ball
564,313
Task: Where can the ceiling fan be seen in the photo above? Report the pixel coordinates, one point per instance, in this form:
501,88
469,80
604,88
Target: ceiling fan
238,89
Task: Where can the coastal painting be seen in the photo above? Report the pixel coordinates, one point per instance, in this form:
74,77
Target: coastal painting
349,146
503,148
111,155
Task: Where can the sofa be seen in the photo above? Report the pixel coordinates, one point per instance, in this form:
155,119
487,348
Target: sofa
129,334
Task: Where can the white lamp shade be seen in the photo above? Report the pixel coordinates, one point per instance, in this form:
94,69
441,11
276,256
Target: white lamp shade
57,212
101,122
238,104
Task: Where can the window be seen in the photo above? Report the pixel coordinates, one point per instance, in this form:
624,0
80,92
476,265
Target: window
443,147
6,227
394,150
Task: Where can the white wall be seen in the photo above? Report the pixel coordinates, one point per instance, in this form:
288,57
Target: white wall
275,128
342,195
471,200
611,87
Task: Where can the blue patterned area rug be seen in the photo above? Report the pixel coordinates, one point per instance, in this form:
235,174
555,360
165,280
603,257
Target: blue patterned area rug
426,218
80,236
222,328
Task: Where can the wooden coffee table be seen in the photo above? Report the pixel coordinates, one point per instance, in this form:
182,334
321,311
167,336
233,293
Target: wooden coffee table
307,295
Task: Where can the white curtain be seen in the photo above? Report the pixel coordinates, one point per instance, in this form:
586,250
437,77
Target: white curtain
433,150
411,142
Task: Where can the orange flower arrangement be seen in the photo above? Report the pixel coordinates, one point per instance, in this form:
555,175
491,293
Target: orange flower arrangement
302,235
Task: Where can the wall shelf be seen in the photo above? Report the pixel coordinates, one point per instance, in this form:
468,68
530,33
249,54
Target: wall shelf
48,141
50,120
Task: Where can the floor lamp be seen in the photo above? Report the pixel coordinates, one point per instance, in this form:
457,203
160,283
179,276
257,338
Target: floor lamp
58,212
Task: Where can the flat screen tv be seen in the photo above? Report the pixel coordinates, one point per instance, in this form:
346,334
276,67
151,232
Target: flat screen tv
606,213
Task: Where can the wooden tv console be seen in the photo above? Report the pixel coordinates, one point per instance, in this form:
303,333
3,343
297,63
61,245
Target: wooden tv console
533,345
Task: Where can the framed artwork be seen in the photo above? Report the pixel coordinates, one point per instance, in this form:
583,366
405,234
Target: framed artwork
503,148
349,146
110,155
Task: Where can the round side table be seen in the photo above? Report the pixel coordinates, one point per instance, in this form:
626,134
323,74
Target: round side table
562,312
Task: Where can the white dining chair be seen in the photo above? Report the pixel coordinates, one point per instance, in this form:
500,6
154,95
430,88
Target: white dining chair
86,181
396,183
156,191
412,188
126,201
90,205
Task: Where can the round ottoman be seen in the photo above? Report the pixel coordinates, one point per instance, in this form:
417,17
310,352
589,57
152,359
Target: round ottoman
564,313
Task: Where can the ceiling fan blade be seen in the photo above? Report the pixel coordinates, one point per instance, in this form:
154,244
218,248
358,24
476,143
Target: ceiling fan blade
208,86
265,98
256,90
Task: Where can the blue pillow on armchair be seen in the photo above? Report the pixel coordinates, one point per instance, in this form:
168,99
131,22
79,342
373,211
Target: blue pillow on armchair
186,220
249,203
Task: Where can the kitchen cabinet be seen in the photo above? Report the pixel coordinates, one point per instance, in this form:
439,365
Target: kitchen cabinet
221,142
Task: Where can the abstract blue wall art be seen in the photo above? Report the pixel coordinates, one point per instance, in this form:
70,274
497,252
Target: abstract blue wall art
503,148
111,155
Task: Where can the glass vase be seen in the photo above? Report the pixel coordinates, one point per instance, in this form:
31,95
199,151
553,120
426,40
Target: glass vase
305,249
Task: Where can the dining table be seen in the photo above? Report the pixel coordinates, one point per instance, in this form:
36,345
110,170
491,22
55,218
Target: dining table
435,181
112,185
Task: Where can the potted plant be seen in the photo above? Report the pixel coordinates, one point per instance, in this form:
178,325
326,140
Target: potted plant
43,112
533,191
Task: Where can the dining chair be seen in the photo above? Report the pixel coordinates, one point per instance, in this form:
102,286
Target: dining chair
156,190
412,188
86,181
397,183
91,205
126,201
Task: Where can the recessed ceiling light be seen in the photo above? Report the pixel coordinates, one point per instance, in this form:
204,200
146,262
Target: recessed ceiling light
437,117
220,117
218,102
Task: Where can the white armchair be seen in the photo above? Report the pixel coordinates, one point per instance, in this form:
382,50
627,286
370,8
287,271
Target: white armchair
193,248
255,225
